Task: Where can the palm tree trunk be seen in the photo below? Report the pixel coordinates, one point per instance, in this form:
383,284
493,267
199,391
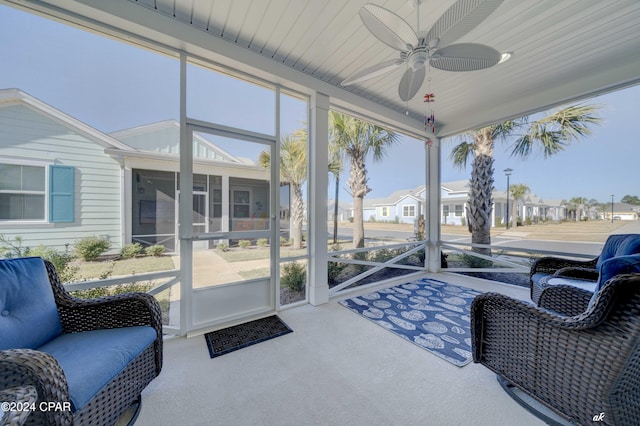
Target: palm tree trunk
335,211
358,186
480,202
297,215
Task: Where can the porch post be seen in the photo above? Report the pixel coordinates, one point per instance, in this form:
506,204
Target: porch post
318,184
433,206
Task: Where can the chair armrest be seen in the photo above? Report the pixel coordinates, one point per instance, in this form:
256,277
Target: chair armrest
121,310
24,367
512,325
565,299
549,265
578,273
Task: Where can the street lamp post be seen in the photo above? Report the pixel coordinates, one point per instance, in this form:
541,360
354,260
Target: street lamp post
611,208
507,172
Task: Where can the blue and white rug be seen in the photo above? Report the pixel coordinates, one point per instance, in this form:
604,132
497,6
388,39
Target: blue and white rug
429,313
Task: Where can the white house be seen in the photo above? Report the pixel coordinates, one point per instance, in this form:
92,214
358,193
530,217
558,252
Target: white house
404,206
62,180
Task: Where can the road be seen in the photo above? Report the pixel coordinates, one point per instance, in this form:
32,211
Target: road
513,239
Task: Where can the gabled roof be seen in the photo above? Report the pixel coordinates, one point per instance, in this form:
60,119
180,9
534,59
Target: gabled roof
164,136
10,97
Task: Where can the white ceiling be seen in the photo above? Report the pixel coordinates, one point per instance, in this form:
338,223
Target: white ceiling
562,50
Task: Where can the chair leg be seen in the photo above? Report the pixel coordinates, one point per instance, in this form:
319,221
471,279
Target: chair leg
130,415
519,396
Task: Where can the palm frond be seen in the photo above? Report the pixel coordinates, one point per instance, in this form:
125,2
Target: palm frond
461,153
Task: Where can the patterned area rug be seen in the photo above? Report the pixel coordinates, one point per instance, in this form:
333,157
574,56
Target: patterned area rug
240,336
429,313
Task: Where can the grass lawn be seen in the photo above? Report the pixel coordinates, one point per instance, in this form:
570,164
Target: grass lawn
110,267
256,253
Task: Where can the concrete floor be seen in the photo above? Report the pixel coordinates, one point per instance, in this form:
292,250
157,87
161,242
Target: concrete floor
336,368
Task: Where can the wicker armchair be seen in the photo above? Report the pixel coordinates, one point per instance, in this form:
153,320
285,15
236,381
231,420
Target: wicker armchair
576,353
584,274
24,367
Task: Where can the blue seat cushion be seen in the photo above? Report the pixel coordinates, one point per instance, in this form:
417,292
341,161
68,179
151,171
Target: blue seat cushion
91,359
28,312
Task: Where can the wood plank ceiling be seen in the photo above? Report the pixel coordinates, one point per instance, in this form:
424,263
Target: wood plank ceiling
562,50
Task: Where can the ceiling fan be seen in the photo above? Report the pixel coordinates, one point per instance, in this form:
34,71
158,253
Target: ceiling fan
433,47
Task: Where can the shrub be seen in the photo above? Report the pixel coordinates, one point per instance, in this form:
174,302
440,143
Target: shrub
91,247
155,250
294,276
223,247
112,290
61,260
131,250
284,242
244,243
262,242
334,269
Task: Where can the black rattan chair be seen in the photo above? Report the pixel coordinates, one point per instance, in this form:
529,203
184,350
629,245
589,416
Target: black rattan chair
577,354
583,273
34,367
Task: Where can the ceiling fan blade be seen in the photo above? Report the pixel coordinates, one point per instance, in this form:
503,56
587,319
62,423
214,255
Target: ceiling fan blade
464,57
459,19
372,71
388,27
411,83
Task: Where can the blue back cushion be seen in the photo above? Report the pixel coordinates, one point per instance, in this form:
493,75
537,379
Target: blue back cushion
618,265
28,313
619,245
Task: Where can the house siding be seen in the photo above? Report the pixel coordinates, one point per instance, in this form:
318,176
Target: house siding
29,134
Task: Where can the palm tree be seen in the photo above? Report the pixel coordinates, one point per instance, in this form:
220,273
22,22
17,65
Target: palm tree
293,170
578,203
518,192
357,139
552,133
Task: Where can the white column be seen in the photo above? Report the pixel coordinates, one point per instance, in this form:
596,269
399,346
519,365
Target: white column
433,206
318,184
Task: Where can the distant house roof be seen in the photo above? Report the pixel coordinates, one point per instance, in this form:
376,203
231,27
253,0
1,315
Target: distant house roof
9,97
456,186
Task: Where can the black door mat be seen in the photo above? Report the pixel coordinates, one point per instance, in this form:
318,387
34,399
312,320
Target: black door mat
240,336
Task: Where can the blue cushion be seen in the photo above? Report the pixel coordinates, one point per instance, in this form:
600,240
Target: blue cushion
618,245
618,265
28,313
91,359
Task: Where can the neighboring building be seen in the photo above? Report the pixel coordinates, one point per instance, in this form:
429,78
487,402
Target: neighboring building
621,211
62,180
344,211
404,206
57,184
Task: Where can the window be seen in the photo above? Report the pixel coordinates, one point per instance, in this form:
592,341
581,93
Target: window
23,193
408,211
384,211
445,210
458,211
241,203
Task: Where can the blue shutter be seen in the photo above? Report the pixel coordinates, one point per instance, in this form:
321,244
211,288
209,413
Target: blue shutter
61,193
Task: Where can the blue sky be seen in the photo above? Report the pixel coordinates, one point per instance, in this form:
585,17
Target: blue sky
112,86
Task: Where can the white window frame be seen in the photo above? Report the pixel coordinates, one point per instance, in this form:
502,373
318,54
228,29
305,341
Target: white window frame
409,210
384,211
45,193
